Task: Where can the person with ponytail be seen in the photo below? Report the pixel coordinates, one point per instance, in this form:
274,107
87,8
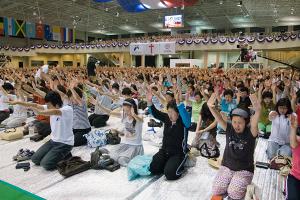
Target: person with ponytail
131,141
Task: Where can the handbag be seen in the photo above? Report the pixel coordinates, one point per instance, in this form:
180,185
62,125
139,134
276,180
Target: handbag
280,161
96,138
112,137
73,165
12,134
209,151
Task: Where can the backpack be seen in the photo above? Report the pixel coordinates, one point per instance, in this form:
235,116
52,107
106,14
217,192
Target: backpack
100,160
112,137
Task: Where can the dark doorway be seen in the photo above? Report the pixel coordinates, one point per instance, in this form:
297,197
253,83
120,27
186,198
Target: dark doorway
138,61
20,64
150,61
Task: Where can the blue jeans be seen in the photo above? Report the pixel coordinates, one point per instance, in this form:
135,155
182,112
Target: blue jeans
50,153
274,148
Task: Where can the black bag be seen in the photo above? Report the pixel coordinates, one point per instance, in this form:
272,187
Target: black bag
209,151
95,157
100,160
37,137
112,137
113,167
73,165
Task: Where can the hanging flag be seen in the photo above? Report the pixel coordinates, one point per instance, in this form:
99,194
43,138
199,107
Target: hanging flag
1,26
39,31
167,48
137,48
30,30
8,25
47,32
18,28
56,33
152,48
70,35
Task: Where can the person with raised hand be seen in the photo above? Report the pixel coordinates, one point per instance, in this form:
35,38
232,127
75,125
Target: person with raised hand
171,157
293,179
237,168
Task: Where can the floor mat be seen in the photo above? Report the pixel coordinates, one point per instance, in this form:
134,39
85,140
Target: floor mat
11,192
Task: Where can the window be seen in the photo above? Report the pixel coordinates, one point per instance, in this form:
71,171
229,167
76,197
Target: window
279,29
37,63
257,30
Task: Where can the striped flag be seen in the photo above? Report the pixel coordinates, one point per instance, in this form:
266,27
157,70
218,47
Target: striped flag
66,34
8,26
30,30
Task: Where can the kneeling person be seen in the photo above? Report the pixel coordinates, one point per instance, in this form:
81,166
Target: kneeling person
62,138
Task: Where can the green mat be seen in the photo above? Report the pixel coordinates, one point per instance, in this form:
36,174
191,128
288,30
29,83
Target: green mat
11,192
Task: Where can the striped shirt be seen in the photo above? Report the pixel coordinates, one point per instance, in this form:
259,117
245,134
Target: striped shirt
103,100
80,116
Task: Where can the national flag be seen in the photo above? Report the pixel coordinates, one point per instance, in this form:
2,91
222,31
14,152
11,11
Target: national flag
30,30
18,28
1,26
8,26
56,33
48,32
39,31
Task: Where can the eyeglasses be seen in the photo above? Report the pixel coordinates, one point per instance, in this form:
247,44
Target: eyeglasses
10,130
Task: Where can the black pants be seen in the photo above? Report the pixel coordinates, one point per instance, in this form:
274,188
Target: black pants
293,188
79,139
166,164
50,153
98,120
3,115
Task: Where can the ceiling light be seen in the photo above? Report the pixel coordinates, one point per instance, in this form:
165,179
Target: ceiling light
221,2
106,9
240,4
117,14
34,13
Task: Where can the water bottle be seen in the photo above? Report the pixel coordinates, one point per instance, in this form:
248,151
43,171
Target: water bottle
31,130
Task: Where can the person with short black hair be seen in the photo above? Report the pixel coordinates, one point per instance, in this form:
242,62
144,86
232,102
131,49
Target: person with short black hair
62,137
279,141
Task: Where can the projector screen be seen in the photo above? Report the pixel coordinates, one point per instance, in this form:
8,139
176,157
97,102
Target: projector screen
173,21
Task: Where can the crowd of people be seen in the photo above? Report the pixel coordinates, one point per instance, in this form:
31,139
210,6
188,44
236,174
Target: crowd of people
178,37
243,105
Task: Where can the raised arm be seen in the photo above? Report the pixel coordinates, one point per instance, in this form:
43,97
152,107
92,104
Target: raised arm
152,110
293,135
215,113
254,119
27,104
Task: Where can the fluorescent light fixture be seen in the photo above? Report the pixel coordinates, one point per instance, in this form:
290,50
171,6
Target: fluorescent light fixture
136,31
165,29
196,22
99,31
157,25
290,19
126,27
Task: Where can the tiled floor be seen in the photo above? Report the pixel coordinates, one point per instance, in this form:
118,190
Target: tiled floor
195,184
